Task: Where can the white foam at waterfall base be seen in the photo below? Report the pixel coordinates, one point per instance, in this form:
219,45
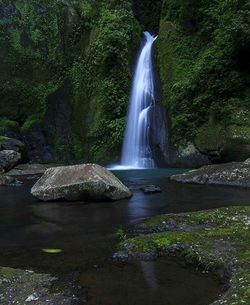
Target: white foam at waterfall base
136,152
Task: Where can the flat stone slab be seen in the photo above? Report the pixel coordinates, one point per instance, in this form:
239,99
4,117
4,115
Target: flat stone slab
231,174
29,171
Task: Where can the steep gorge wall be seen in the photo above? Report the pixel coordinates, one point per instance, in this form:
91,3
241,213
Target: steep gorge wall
65,75
205,73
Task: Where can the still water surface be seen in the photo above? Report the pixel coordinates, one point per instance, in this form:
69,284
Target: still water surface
86,234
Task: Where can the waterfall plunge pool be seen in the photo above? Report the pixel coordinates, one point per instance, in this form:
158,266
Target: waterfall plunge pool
86,235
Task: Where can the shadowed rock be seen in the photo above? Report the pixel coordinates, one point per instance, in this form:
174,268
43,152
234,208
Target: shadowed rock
232,174
9,159
151,189
12,144
79,182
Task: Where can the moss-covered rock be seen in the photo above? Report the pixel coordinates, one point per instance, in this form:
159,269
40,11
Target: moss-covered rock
229,174
82,45
27,287
205,71
215,240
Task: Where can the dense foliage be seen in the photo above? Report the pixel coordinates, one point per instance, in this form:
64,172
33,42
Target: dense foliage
102,81
203,56
87,44
66,66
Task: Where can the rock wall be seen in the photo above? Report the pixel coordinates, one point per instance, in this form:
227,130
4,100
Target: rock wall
205,75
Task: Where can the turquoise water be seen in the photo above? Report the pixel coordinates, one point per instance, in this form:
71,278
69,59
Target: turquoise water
148,174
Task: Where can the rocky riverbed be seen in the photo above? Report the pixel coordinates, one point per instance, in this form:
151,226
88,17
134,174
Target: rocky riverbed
20,287
215,240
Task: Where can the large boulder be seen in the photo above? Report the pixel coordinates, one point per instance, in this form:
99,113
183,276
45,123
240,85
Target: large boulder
232,174
9,159
79,182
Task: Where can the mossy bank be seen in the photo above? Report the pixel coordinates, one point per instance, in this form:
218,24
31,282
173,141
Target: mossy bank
215,240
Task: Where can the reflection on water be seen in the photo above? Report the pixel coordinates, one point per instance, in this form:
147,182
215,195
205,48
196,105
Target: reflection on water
149,283
149,272
85,233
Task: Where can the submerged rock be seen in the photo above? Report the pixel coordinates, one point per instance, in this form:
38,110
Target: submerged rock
79,182
232,174
151,189
9,159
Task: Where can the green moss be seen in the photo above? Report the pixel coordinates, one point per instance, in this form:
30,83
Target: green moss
8,125
203,67
99,104
30,122
212,240
2,138
210,137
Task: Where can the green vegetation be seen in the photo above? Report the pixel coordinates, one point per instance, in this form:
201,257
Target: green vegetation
216,240
205,70
6,124
84,42
103,98
202,58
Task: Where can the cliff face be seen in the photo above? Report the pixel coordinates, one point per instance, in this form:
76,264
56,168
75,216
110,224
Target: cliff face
205,73
66,74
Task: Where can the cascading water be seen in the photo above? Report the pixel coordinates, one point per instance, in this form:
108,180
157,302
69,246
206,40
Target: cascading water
136,152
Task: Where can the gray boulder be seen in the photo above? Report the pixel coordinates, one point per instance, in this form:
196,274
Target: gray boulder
231,174
12,144
9,159
79,182
29,171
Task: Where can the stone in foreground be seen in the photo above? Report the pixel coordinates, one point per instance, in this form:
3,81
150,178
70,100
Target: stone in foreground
79,182
231,174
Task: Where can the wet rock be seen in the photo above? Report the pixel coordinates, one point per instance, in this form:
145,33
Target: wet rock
190,156
9,159
27,287
29,171
247,162
232,174
9,181
79,182
133,256
151,189
176,249
32,297
12,144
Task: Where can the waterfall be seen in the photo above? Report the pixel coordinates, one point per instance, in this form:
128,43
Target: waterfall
136,152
